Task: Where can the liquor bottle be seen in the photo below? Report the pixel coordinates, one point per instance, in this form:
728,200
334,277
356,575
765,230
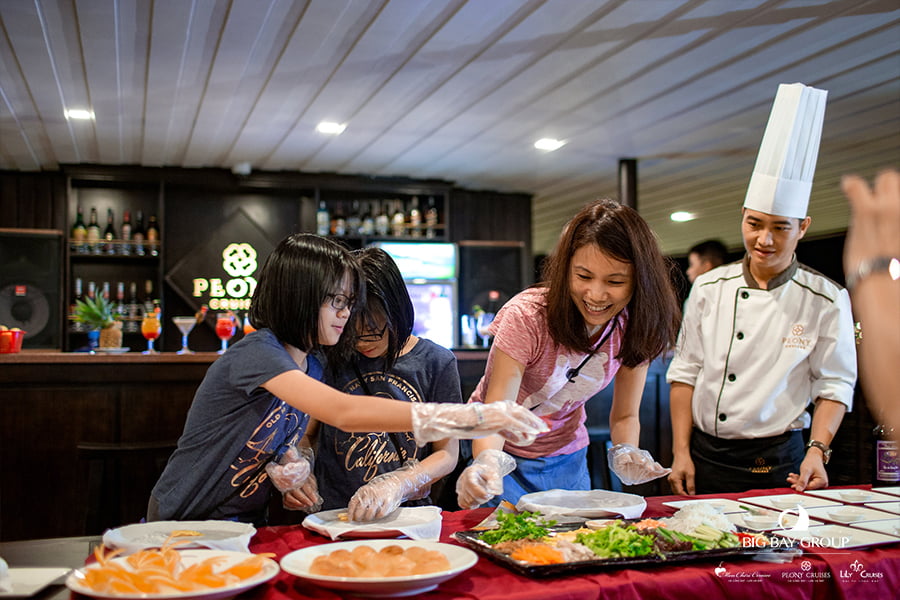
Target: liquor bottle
125,247
138,235
93,233
367,226
152,236
104,291
382,220
339,222
323,219
354,219
149,301
109,234
415,218
398,220
133,322
887,461
76,326
431,219
79,233
121,309
91,290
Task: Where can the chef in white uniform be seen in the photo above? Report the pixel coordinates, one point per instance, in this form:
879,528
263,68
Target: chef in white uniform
764,337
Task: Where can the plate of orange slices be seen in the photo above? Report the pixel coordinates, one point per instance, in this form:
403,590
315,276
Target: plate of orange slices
168,573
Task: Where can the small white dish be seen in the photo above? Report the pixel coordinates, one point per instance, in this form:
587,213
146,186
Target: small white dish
760,522
846,515
215,535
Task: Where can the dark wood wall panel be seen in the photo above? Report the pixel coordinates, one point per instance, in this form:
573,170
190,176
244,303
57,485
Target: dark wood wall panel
33,200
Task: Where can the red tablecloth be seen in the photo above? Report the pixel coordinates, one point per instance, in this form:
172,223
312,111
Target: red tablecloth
822,573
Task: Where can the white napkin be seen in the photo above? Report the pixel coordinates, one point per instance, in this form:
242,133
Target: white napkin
416,523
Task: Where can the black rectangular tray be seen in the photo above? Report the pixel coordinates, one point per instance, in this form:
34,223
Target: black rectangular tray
470,539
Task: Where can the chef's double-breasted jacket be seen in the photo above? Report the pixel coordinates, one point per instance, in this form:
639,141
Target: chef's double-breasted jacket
758,357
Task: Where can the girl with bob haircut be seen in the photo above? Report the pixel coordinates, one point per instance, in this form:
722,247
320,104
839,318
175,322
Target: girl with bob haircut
374,473
256,400
605,308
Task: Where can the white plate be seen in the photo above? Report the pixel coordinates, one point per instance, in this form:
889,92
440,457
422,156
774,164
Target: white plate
886,526
417,522
583,503
217,535
788,501
119,350
27,581
722,505
893,490
848,515
188,558
851,496
891,507
840,537
298,562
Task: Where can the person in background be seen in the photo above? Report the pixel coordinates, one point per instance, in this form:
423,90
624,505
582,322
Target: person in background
605,309
373,473
704,257
257,398
764,337
872,265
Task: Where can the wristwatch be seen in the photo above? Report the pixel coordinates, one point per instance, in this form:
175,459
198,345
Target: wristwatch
826,451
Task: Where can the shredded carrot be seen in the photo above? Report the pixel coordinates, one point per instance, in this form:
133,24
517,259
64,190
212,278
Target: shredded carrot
649,524
538,554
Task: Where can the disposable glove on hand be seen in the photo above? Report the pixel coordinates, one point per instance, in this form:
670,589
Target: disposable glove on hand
483,479
633,465
385,493
434,421
292,469
305,498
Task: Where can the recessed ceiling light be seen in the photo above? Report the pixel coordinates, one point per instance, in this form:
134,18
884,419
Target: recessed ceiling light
549,144
331,127
79,113
681,216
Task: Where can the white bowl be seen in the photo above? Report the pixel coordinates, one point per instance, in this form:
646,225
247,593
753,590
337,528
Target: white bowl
787,501
846,515
855,496
760,522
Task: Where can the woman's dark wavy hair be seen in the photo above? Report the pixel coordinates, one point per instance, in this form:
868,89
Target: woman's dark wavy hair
295,282
386,296
653,312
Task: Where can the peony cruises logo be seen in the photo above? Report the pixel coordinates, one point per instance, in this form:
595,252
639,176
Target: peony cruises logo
240,262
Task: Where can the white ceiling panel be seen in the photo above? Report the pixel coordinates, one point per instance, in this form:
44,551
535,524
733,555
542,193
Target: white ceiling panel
460,90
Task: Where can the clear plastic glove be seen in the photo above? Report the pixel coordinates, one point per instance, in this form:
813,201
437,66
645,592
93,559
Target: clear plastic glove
292,469
305,498
483,479
434,421
633,465
386,492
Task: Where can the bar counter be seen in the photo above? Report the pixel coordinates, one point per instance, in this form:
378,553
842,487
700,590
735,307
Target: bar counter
133,404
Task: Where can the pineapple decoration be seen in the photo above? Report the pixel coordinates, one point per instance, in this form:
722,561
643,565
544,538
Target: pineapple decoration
99,313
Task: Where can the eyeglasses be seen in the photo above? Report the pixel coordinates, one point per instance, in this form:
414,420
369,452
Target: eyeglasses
340,301
372,337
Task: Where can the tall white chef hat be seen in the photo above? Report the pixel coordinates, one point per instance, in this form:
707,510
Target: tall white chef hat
782,178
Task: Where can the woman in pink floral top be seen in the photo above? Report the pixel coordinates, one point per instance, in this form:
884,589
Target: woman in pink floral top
604,310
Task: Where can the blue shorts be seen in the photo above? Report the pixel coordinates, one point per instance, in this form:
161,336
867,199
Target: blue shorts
564,472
